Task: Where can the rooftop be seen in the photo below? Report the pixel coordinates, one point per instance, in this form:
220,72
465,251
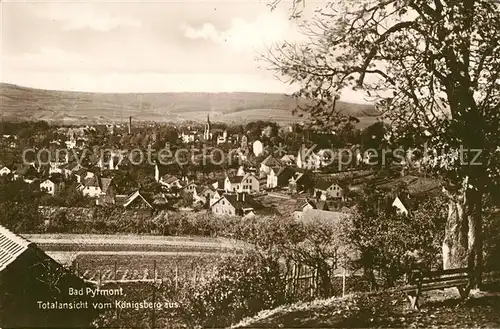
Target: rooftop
11,247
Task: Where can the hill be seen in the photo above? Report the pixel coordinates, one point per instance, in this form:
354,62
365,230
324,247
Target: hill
22,103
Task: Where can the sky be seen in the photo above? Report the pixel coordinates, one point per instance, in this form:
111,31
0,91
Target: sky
148,46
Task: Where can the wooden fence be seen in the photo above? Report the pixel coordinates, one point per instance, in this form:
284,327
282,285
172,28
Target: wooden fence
302,282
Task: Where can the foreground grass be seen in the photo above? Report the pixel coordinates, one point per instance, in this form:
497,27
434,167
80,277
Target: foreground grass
384,309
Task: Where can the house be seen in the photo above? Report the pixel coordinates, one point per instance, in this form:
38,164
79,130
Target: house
328,190
244,142
138,200
203,194
300,182
110,160
188,136
280,177
160,201
237,204
56,167
308,159
82,174
103,189
189,188
69,169
91,186
288,160
241,171
308,209
305,157
164,171
222,139
108,192
303,205
170,181
247,183
218,184
307,204
53,186
4,171
30,280
267,164
400,207
71,143
218,193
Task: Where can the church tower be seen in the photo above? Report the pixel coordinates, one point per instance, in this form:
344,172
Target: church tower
206,133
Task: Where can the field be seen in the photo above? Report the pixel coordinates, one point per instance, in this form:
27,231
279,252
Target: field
67,107
130,257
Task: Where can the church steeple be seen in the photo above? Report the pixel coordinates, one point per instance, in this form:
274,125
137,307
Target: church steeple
206,133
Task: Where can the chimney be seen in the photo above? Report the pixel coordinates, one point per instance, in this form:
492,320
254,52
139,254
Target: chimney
129,125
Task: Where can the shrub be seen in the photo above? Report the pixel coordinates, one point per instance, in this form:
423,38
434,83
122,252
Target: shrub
239,286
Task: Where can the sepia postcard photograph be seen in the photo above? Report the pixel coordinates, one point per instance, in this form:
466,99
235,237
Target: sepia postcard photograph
249,164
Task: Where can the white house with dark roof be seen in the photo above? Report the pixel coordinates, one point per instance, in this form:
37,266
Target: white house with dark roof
4,170
236,204
268,164
328,190
280,177
102,189
53,186
203,194
248,183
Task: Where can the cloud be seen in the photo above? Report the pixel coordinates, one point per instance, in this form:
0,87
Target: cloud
266,29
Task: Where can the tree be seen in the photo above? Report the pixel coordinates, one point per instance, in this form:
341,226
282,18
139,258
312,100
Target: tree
433,69
391,243
314,243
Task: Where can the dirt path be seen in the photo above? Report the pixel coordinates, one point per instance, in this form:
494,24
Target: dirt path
87,239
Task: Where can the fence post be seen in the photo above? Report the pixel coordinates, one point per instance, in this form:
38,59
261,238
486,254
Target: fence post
153,299
99,278
115,269
316,281
343,281
176,276
311,285
155,275
76,268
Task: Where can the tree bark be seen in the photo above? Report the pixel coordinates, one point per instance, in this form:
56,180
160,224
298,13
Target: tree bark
455,244
462,245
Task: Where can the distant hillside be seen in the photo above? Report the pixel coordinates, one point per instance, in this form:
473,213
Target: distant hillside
69,107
